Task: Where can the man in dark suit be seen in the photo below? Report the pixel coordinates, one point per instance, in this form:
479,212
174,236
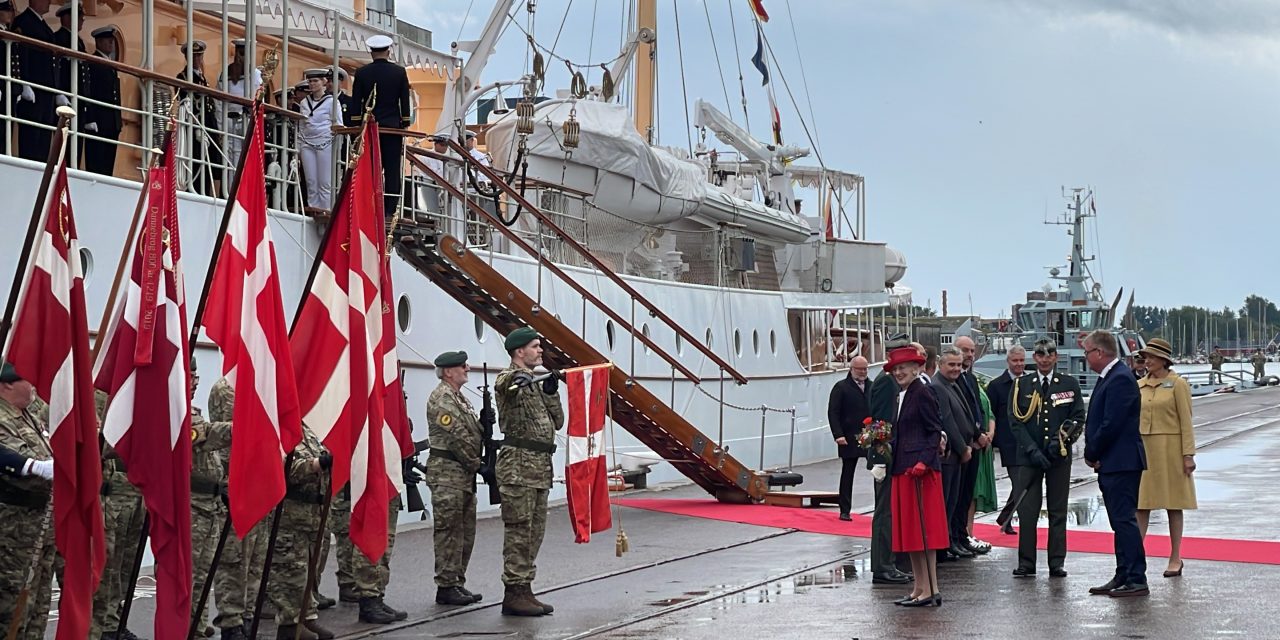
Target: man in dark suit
382,88
1045,399
1113,449
101,84
846,411
968,384
35,104
883,403
998,391
959,427
63,38
11,70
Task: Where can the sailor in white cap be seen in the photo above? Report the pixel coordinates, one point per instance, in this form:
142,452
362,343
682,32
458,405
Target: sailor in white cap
207,158
382,88
101,85
233,115
315,138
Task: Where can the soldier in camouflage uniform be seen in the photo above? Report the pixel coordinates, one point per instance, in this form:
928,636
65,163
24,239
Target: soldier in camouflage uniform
451,474
530,415
25,507
235,585
122,515
1259,361
369,580
340,529
1215,364
307,480
209,441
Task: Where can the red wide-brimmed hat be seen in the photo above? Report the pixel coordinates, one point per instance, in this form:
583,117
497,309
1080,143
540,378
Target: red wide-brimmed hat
902,355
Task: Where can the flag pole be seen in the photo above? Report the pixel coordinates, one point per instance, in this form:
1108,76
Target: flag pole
198,318
314,557
127,604
266,562
207,584
57,149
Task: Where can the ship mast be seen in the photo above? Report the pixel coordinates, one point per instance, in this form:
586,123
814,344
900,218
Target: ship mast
1078,272
642,99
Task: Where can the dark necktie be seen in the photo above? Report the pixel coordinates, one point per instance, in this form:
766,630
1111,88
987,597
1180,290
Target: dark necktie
1044,387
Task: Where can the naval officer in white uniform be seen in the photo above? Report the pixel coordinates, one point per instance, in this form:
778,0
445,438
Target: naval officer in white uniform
320,111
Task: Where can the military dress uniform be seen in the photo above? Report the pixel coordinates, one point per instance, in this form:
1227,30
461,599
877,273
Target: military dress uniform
25,508
383,86
208,511
63,37
100,83
456,456
299,521
1039,406
206,158
35,104
529,417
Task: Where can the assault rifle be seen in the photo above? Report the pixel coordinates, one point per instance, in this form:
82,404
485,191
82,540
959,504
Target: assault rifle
490,457
413,474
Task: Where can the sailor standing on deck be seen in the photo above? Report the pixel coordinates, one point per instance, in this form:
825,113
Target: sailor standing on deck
382,87
320,111
100,83
37,66
63,37
206,158
9,66
233,115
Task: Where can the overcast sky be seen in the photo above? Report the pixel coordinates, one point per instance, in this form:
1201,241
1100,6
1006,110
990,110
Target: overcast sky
968,117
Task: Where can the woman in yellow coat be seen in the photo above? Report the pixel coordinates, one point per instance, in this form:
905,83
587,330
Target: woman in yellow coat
1171,447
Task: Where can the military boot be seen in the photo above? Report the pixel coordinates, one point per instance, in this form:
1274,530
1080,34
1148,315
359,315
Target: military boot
347,593
518,601
475,597
324,602
314,627
293,631
399,615
453,596
372,611
528,590
234,633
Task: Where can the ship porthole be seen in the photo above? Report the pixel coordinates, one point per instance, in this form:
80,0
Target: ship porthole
773,342
737,342
480,333
709,342
644,330
404,314
755,341
86,264
608,332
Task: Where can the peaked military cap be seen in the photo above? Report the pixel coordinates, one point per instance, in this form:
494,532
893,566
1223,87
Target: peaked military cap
238,43
302,86
519,338
65,9
8,374
470,134
106,32
451,359
197,46
379,42
318,73
6,5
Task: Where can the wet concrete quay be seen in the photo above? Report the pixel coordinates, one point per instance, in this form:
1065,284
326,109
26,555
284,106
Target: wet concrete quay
695,578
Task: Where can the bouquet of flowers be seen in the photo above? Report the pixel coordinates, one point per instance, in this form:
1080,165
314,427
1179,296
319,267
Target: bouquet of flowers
877,435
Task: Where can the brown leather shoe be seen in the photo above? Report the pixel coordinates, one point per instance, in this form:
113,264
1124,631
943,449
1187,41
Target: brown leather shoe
546,608
518,601
314,627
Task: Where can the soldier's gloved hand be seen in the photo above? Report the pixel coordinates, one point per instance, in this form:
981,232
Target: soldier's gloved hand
62,101
521,379
326,461
39,468
1038,458
92,127
484,471
411,475
551,386
27,94
225,495
488,416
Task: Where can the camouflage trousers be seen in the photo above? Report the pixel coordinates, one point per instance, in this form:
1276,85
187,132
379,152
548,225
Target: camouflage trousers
235,585
122,516
207,516
368,579
340,529
289,560
21,526
524,520
454,518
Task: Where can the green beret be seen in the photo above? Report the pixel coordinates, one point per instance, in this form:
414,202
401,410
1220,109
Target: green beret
519,338
8,374
451,359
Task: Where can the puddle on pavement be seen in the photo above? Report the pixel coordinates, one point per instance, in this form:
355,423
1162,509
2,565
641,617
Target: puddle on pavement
828,577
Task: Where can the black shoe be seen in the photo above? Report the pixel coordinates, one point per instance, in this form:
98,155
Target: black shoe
372,612
453,596
347,594
945,555
1130,590
398,614
978,546
314,627
934,600
1059,572
475,597
1107,588
234,633
1007,529
846,517
1023,572
126,635
959,551
889,578
324,602
904,599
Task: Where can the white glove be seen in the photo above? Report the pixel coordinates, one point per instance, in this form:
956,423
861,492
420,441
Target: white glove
877,472
62,101
41,468
92,127
28,94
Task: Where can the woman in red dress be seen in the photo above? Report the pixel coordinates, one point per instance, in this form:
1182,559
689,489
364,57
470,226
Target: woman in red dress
919,516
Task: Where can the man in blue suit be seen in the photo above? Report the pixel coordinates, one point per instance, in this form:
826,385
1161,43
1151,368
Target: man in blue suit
1113,448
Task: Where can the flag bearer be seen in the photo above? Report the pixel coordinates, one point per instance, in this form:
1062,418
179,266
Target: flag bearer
320,111
122,516
457,456
208,482
235,585
306,479
530,415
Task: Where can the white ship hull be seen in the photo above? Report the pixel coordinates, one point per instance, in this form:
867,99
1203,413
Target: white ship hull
747,328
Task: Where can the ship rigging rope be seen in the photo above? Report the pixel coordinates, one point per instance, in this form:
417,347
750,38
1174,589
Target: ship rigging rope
742,87
684,91
804,77
552,54
716,50
794,104
591,44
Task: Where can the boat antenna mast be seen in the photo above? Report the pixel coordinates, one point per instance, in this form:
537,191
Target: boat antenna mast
1078,275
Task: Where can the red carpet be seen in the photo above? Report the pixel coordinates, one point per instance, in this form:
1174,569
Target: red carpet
826,522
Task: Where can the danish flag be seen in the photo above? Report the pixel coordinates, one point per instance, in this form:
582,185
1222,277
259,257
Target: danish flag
587,485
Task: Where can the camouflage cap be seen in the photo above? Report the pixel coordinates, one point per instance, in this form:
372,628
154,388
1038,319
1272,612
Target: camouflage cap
8,374
519,338
1045,346
451,359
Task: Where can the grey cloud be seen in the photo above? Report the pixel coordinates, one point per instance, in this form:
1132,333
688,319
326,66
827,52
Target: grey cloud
1212,18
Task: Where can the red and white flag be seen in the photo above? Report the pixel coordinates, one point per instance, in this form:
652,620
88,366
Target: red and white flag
49,347
587,484
344,354
246,320
144,367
